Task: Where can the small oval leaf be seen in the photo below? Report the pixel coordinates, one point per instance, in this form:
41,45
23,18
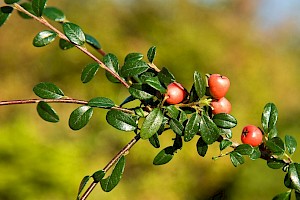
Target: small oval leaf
65,45
155,83
74,33
224,144
101,102
291,144
48,91
269,117
152,123
164,156
133,57
200,84
202,147
54,14
236,158
224,120
80,117
83,184
89,72
139,91
120,120
151,53
5,12
27,6
154,140
133,68
38,7
294,175
92,41
208,130
244,149
98,175
111,61
191,127
165,76
44,38
46,112
176,126
276,146
275,163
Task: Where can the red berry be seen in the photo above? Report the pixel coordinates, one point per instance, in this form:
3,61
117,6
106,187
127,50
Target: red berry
218,85
175,93
221,106
252,135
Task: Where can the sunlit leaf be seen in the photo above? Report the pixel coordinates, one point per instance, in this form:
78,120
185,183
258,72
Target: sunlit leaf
291,144
224,120
38,7
294,175
283,196
191,127
54,14
269,117
208,130
92,41
48,91
27,6
44,38
89,72
120,120
224,144
200,84
133,57
74,33
133,68
151,53
46,112
244,149
236,158
152,123
83,183
80,117
276,146
101,102
111,61
140,91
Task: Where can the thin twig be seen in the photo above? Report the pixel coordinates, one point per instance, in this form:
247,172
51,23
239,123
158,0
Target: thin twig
31,101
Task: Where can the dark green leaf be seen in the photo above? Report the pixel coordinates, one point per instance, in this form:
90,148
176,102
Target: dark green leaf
48,91
202,147
139,91
273,133
291,144
44,38
255,154
177,143
127,100
294,175
176,126
269,117
182,117
83,184
164,156
98,175
297,194
192,127
244,149
236,158
54,14
92,41
27,6
224,144
165,76
275,163
74,33
133,68
111,61
89,72
200,84
112,181
155,83
120,120
287,181
38,7
132,57
11,1
224,120
152,123
276,145
101,102
193,97
65,45
151,54
5,12
283,196
46,112
173,111
80,117
208,130
155,141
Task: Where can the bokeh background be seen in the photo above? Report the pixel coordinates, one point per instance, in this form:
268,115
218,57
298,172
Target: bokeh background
256,43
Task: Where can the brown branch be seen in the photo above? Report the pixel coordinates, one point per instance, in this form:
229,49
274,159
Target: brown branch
31,101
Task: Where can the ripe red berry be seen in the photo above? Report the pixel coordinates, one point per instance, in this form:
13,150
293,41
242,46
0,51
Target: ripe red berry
218,85
252,135
220,106
175,93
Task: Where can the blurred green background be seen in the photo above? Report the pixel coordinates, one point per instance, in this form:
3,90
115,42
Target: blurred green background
40,160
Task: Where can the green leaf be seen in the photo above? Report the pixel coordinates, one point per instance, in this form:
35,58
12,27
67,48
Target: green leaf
164,156
152,123
112,181
193,97
200,84
294,175
133,68
275,163
11,1
65,45
46,112
283,196
38,7
287,181
111,61
48,91
54,14
154,140
177,144
244,149
269,117
173,111
101,102
236,158
208,130
155,83
27,6
224,120
98,175
151,54
291,144
83,184
5,13
273,133
176,126
139,91
275,145
80,117
255,153
92,41
89,72
297,194
132,57
74,33
120,120
191,127
44,38
202,147
165,76
224,144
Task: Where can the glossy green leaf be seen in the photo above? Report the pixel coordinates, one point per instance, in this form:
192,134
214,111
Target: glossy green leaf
38,7
27,6
224,120
111,61
151,54
200,84
133,68
287,181
191,127
152,123
227,133
92,41
83,183
173,112
236,158
164,156
224,144
89,72
48,91
120,120
132,57
275,163
80,117
46,112
139,91
273,133
54,14
276,146
283,196
208,130
291,144
74,33
182,117
44,38
269,117
11,1
176,126
65,45
155,83
5,12
112,181
98,175
101,102
154,140
202,147
244,149
177,144
294,175
165,76
255,153
193,97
